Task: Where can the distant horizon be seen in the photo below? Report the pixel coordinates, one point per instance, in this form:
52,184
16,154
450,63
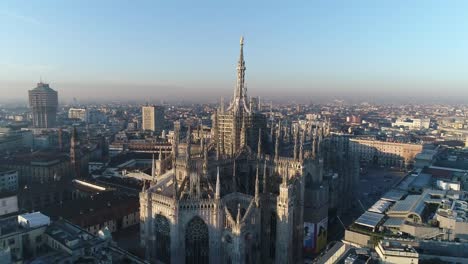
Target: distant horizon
390,99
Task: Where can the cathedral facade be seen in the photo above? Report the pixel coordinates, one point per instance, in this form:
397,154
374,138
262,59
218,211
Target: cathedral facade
234,199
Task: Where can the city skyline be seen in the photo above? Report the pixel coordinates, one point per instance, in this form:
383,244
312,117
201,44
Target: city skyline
233,132
306,51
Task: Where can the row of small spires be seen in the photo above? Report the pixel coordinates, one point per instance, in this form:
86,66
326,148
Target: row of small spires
298,154
318,133
217,194
217,188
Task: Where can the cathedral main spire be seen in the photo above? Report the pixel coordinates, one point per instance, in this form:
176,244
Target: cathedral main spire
239,102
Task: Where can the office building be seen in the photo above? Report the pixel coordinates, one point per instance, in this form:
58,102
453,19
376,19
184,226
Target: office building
152,118
38,166
15,140
34,238
8,180
385,153
79,113
43,101
8,203
413,124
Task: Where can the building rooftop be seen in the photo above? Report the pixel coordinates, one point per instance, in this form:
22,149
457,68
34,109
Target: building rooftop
36,158
4,194
125,157
95,210
396,248
457,210
393,195
43,87
70,235
410,204
443,248
406,182
370,219
32,220
5,170
19,223
423,180
394,222
415,204
381,206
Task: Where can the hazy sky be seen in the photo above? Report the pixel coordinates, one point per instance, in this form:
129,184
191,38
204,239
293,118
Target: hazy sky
155,50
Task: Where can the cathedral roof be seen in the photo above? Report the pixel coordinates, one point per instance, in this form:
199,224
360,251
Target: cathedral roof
164,184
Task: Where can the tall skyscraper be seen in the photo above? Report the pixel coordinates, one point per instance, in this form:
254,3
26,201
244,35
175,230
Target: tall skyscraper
43,101
152,118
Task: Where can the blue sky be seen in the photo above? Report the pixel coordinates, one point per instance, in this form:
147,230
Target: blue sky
188,49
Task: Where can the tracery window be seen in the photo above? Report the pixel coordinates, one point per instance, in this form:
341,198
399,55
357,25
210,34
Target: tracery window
196,242
163,239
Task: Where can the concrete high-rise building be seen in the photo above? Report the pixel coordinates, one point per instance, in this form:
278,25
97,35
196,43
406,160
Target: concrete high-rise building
43,101
152,118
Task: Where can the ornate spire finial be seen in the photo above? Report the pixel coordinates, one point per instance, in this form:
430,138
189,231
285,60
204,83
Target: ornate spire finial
144,186
202,142
174,151
243,133
203,146
238,218
239,102
277,145
272,131
319,143
218,150
295,144
314,142
285,176
187,150
259,145
189,134
152,167
265,177
257,187
174,182
301,147
222,147
218,186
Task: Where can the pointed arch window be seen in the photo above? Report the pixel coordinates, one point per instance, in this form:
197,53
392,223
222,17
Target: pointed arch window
196,242
163,239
